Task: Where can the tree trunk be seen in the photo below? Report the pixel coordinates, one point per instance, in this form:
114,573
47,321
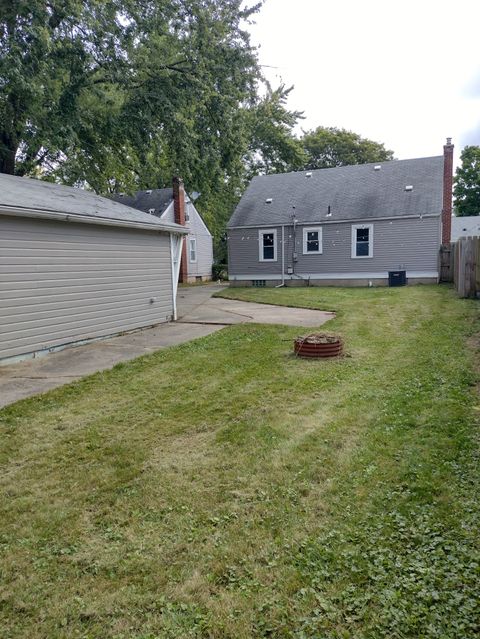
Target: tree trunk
8,152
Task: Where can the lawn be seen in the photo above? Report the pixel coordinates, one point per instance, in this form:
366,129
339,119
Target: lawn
226,489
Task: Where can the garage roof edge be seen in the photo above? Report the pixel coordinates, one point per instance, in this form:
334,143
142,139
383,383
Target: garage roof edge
18,211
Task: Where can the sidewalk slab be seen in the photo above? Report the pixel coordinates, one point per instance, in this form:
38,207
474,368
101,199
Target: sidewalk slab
225,311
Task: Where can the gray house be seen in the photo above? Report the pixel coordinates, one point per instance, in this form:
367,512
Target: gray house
467,226
76,267
353,225
174,205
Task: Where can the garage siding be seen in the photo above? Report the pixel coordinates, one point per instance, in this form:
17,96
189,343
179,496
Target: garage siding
66,282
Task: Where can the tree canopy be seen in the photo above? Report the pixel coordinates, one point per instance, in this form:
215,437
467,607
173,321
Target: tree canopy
466,190
326,147
122,95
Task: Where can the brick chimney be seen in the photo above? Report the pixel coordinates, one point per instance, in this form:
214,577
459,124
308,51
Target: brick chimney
447,191
179,212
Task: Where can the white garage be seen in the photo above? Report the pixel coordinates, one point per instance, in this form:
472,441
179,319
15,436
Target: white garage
76,267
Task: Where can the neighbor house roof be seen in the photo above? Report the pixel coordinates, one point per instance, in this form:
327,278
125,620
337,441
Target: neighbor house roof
25,196
465,226
352,193
155,200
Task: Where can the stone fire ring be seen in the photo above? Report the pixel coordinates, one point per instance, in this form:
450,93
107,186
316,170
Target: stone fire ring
318,345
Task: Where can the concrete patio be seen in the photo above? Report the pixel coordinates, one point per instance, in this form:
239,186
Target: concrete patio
198,315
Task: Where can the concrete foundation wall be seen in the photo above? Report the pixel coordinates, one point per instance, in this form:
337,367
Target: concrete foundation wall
326,282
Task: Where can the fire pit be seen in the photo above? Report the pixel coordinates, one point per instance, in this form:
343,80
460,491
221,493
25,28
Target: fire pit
318,345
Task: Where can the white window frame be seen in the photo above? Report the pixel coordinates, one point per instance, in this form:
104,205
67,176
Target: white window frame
310,229
261,234
194,240
354,241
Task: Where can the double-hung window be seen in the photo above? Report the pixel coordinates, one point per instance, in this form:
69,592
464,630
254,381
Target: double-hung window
267,241
193,249
362,240
312,240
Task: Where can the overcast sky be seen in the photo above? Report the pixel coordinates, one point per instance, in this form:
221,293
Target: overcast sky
405,73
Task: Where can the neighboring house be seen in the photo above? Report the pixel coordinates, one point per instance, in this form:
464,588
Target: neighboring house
353,225
174,205
76,267
467,226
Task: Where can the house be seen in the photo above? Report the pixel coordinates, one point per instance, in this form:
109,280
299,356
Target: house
174,205
467,226
353,225
76,267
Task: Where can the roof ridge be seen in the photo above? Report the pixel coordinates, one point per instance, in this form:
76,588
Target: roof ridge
347,166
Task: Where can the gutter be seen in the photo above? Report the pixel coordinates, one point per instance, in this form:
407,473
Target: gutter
60,216
338,221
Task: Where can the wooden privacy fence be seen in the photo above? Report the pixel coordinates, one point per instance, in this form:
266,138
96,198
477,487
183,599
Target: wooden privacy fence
466,269
447,255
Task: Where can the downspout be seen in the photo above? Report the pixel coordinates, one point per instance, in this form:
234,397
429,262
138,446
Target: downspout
176,246
173,270
294,255
283,258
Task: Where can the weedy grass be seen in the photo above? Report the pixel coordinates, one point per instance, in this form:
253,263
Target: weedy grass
226,489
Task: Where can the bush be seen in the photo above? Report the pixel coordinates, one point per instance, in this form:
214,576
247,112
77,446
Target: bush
220,272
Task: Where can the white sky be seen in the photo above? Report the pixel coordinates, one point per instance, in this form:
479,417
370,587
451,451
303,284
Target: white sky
402,72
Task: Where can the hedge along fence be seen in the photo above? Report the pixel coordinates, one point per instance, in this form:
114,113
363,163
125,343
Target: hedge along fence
466,272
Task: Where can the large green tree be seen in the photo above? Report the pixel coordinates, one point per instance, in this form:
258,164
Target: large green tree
326,147
273,147
55,57
466,190
122,95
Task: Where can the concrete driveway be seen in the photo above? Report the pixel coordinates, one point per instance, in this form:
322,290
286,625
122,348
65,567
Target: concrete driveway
196,305
199,315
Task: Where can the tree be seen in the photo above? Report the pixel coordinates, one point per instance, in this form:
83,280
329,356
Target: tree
466,190
272,147
55,56
326,147
122,95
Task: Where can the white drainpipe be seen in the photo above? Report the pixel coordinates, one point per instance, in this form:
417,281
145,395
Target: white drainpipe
283,259
176,243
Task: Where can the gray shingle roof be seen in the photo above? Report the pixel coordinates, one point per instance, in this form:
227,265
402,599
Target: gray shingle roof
465,226
352,192
27,194
157,199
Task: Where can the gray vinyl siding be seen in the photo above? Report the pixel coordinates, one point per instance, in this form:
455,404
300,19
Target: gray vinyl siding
243,252
203,266
406,243
66,282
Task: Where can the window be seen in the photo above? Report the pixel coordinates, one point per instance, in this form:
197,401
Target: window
267,245
362,240
193,249
312,240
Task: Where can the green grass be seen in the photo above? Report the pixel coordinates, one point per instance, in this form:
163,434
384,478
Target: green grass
226,489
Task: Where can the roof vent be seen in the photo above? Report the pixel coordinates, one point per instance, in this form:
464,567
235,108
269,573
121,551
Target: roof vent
151,211
377,167
268,200
121,194
149,192
309,174
409,187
